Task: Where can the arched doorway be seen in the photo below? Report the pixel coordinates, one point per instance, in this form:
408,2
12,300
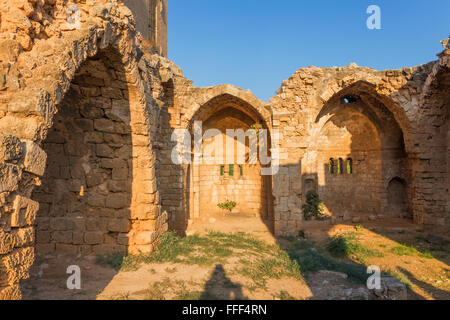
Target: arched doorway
397,199
97,195
209,184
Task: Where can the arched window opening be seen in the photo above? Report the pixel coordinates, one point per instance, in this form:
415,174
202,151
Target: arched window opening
349,166
331,166
231,170
350,99
340,166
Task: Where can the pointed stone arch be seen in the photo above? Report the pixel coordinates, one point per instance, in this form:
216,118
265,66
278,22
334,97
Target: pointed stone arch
29,112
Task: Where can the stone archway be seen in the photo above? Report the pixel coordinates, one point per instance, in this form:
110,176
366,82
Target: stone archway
88,197
211,184
361,148
52,84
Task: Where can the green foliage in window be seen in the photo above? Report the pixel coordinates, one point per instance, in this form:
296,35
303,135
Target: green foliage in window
331,166
241,170
221,170
227,205
349,166
231,169
313,208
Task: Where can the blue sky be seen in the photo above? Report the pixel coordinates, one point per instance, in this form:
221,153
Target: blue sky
256,44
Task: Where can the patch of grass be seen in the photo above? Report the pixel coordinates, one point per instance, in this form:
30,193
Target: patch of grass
121,296
427,255
113,260
118,261
404,250
348,245
359,227
312,259
207,250
274,265
189,295
283,295
157,290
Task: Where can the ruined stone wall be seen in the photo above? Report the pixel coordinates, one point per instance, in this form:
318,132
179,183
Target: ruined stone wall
84,123
407,106
151,22
353,189
396,173
79,89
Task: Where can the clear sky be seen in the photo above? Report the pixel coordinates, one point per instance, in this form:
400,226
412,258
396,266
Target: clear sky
256,44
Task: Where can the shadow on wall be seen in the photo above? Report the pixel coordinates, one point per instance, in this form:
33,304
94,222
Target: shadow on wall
86,193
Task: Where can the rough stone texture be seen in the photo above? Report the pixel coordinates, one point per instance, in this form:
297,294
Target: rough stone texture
151,21
86,120
77,117
391,289
392,126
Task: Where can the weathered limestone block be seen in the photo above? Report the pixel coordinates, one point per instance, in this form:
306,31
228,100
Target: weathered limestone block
10,292
23,237
24,212
119,225
6,242
10,148
144,238
24,128
35,158
117,200
93,237
10,176
15,265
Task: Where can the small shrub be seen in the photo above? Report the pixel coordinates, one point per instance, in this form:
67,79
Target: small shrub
301,234
313,208
227,205
113,260
347,245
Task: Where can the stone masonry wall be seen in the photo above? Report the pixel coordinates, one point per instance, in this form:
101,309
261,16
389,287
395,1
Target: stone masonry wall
48,58
41,49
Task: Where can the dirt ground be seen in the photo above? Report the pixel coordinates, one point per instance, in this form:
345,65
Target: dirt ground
428,276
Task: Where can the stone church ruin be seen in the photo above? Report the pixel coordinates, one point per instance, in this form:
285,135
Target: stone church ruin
87,114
